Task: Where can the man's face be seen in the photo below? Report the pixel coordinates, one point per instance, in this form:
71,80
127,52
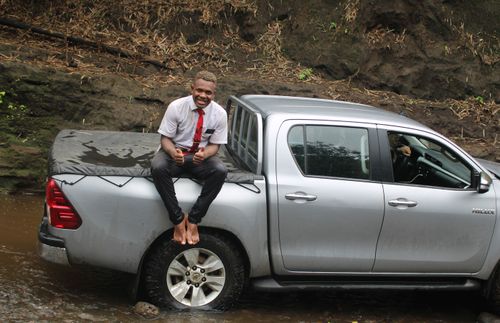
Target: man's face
203,92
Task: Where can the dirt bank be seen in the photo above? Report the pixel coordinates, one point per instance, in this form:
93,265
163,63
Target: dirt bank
435,61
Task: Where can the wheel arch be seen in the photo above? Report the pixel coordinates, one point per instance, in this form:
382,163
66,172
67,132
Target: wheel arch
138,291
488,285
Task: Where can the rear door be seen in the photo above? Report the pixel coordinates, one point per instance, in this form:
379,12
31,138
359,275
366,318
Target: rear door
430,223
330,209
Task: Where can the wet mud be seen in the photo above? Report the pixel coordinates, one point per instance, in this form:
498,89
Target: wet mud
36,291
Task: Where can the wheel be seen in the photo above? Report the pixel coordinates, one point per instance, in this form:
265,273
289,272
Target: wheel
209,275
491,292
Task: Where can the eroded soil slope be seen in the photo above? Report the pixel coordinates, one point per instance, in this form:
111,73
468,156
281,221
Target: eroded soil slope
116,65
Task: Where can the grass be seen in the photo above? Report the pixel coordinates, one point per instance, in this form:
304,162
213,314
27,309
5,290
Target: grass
305,74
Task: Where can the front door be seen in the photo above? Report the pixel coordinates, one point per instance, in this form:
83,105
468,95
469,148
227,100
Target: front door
430,225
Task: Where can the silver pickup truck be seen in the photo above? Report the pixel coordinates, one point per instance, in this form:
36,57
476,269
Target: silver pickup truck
319,195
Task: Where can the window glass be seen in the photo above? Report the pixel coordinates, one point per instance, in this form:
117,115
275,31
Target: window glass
244,132
252,137
296,144
237,126
230,108
331,151
423,161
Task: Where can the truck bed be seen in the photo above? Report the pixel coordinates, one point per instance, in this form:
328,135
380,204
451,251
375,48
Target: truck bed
113,153
105,176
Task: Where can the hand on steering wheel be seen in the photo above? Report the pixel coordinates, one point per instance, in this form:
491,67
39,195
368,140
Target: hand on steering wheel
405,150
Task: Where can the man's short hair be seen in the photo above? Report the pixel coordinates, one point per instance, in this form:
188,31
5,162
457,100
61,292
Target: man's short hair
206,76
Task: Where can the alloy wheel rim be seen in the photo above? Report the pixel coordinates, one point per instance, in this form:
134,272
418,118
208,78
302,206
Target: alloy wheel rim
196,277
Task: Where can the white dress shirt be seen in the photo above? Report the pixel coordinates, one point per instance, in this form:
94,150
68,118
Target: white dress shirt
180,120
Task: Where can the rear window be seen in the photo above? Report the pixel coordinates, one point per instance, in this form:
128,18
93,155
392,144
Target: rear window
331,151
243,138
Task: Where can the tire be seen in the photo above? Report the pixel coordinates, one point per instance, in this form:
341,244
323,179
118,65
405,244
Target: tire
492,292
207,276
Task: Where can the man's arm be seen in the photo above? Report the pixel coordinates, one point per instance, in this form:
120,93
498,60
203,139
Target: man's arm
208,151
168,146
211,149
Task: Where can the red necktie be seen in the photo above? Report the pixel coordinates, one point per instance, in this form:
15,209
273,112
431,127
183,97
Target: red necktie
197,133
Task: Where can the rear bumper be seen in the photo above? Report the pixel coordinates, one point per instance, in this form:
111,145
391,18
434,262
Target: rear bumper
51,248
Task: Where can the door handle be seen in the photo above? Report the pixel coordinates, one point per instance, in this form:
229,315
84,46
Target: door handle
402,202
300,196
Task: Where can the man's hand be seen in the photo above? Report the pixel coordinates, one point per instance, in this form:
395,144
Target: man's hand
199,156
405,150
179,157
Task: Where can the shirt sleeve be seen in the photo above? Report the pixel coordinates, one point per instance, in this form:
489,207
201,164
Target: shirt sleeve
220,134
168,125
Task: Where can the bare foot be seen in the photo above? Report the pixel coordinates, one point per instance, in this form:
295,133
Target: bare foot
193,236
180,235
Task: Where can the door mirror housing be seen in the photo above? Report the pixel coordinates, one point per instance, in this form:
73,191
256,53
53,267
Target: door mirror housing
481,181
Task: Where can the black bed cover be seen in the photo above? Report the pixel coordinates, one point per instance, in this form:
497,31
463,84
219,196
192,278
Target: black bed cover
116,153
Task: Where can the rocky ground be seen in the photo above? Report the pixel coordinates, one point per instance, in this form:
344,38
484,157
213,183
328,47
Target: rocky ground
116,66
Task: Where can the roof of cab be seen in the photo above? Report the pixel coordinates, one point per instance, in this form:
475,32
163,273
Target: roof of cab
337,110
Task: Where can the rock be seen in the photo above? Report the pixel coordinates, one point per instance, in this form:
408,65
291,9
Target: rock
90,317
488,318
146,310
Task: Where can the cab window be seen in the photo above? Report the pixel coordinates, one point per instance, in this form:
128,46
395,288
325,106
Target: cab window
423,161
331,151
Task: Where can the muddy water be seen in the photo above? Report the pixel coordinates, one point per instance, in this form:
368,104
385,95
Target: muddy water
32,290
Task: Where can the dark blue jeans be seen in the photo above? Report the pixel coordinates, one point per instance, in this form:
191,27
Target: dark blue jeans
211,171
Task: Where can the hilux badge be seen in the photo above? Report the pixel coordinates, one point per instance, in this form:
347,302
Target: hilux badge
483,211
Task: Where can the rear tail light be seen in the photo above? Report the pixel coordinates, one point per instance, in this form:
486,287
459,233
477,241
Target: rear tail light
62,215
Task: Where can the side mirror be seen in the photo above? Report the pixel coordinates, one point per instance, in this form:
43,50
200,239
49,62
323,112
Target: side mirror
481,181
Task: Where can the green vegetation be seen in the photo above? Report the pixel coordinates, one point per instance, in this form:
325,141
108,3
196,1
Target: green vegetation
479,99
13,117
22,158
305,74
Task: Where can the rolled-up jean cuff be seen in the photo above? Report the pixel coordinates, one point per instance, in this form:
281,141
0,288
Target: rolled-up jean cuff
177,220
193,220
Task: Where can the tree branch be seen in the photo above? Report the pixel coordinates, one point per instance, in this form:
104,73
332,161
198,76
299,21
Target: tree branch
81,41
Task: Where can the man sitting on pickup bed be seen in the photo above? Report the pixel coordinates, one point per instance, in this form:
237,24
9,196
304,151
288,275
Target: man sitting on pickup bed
191,131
